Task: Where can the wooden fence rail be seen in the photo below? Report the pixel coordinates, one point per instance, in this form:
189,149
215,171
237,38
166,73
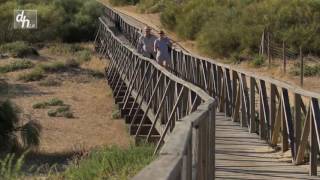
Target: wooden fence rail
280,113
161,108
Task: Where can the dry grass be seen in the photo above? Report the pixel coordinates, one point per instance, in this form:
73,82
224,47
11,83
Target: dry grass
91,105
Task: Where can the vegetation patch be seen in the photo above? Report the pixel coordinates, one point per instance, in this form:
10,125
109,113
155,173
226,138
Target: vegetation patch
63,111
18,49
11,167
84,55
65,48
258,61
110,163
16,65
221,28
115,112
35,75
12,129
53,67
309,70
61,20
96,74
45,104
50,82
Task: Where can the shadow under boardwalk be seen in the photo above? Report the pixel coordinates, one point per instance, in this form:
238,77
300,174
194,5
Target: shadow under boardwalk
241,155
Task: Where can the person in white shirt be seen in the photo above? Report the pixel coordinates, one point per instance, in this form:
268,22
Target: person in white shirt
146,43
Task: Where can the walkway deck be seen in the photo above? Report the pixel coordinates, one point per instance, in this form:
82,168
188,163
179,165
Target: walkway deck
241,155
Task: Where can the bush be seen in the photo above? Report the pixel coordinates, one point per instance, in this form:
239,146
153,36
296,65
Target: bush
11,167
18,49
168,15
53,67
35,75
66,20
224,27
309,70
51,102
111,163
84,55
55,102
11,129
16,65
40,105
63,111
258,61
150,6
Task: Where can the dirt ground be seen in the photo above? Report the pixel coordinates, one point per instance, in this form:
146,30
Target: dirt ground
90,100
276,70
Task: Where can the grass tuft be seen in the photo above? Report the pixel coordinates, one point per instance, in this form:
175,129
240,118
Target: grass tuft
111,163
49,82
51,102
63,111
16,65
258,61
35,75
18,49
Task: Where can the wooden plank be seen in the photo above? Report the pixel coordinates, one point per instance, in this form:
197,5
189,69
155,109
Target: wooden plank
297,121
304,138
252,106
288,120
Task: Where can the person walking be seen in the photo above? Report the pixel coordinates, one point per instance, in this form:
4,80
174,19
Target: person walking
161,47
146,43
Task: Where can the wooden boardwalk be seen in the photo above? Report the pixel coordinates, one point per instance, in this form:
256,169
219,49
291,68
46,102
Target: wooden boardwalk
241,155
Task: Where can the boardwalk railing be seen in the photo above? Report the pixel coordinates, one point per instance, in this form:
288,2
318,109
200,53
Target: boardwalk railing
280,113
162,108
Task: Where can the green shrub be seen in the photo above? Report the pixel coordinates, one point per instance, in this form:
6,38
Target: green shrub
11,167
35,75
111,163
52,113
224,27
63,111
309,70
40,105
16,65
55,102
11,129
18,49
168,16
258,61
53,67
65,48
66,20
84,55
150,6
51,102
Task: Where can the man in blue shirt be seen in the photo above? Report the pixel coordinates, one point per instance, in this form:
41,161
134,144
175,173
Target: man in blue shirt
161,47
